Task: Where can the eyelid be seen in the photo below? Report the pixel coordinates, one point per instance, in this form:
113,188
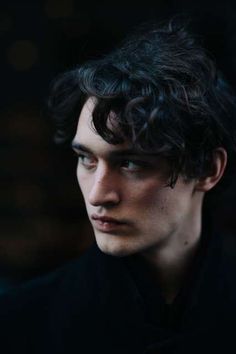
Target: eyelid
138,165
135,159
117,160
81,153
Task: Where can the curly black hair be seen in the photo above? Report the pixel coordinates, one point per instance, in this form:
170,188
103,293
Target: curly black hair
168,98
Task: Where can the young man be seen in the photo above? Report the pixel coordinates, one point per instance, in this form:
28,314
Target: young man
154,127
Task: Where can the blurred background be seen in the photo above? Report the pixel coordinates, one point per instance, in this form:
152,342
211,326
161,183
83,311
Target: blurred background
42,218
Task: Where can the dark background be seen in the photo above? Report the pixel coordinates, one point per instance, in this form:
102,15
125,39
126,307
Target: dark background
42,219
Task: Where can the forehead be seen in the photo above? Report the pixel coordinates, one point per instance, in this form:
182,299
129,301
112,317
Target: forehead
86,133
85,117
88,140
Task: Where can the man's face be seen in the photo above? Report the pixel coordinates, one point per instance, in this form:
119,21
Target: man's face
129,206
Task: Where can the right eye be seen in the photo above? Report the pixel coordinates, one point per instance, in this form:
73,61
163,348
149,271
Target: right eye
88,162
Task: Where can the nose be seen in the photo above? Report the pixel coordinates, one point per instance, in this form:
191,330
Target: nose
105,188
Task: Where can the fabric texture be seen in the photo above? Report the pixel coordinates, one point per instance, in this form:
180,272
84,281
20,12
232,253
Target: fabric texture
104,304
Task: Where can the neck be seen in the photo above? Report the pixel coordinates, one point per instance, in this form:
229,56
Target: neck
171,263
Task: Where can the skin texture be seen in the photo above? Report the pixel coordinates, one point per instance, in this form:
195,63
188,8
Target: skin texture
161,224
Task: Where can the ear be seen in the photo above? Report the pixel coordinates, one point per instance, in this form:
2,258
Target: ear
204,184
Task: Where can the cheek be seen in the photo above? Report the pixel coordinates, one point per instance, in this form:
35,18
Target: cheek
147,196
159,203
83,181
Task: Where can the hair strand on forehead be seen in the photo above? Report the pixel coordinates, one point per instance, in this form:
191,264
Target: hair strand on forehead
165,94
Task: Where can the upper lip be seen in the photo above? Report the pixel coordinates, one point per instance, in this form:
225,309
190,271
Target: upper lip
105,219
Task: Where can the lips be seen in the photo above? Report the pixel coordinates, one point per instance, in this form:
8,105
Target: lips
106,224
104,219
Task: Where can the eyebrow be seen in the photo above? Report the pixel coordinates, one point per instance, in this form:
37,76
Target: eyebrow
77,146
128,152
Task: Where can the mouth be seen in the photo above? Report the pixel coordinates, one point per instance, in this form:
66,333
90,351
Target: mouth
106,224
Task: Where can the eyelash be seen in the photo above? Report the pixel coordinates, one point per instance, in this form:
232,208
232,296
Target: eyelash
80,159
138,163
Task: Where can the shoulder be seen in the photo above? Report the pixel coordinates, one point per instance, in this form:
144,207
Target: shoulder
229,259
82,276
26,311
40,290
46,314
226,277
229,252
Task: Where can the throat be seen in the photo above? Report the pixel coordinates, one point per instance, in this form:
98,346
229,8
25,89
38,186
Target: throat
171,270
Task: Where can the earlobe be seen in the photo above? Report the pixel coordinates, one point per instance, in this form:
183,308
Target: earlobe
206,183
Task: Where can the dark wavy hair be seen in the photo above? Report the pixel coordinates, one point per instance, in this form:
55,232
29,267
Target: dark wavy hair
167,95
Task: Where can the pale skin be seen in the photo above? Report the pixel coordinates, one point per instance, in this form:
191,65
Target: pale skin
161,224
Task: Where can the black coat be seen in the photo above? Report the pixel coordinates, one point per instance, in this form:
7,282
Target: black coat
103,304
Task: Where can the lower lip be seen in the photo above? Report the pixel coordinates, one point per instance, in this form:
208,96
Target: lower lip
106,226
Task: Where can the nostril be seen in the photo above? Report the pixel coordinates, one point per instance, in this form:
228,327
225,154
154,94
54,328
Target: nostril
103,196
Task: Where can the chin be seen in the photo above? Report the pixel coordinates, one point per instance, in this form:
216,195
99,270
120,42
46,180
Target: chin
113,248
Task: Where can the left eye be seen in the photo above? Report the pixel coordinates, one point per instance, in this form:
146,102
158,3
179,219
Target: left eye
86,161
132,165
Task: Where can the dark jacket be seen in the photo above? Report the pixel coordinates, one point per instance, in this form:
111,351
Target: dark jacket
103,304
